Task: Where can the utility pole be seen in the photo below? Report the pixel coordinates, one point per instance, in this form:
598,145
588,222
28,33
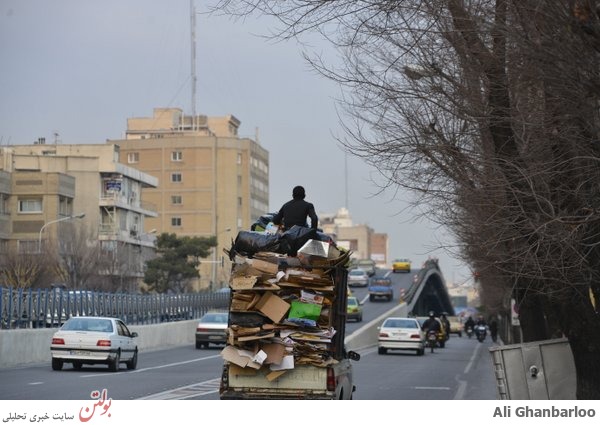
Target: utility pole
193,60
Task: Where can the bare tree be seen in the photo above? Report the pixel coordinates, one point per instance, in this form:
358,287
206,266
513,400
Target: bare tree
77,259
487,110
22,270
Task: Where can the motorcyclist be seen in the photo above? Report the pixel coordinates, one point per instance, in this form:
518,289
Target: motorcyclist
431,323
481,321
470,323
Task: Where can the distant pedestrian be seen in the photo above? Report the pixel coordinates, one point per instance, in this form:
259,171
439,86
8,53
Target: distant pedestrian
493,329
296,212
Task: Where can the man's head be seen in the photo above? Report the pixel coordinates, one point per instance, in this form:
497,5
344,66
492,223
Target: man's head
431,314
298,192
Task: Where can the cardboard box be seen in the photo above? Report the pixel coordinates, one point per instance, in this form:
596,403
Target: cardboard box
272,306
243,282
264,266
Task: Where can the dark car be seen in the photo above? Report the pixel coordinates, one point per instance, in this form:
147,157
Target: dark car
380,287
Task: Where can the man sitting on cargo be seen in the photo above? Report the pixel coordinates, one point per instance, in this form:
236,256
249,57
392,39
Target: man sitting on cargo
296,212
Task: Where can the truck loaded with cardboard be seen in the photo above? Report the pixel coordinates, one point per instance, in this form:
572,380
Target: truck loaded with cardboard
287,318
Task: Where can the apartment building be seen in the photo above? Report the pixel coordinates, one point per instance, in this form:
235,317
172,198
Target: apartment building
45,190
361,239
211,181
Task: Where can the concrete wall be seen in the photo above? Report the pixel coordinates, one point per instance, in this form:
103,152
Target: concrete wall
27,346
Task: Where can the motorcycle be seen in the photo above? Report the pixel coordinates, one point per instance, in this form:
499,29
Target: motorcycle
469,331
480,332
432,339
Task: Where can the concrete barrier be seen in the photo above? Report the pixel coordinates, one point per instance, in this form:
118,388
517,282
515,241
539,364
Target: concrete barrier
26,346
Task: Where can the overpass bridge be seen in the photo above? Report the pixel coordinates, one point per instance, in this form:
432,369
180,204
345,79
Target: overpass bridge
428,292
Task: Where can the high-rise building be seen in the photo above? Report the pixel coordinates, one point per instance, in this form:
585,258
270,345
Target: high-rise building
211,181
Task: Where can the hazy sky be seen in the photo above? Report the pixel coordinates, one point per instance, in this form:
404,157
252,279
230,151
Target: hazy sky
81,68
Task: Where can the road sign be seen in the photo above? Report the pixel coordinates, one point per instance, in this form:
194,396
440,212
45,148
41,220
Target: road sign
514,313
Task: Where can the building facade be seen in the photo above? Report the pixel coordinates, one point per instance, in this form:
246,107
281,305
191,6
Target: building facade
51,188
211,181
359,238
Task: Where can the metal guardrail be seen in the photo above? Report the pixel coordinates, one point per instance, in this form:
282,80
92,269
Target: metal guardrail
38,308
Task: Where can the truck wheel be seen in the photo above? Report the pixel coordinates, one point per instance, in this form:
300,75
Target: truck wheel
382,350
371,297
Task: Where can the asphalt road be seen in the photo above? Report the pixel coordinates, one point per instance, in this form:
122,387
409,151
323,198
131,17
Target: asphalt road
462,371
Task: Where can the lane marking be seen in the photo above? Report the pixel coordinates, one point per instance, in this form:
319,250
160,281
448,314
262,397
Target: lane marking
433,388
182,393
154,367
35,383
473,357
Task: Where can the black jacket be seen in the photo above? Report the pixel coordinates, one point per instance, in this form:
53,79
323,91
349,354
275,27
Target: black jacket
295,212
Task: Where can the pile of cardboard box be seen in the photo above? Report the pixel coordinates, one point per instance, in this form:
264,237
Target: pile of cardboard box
280,311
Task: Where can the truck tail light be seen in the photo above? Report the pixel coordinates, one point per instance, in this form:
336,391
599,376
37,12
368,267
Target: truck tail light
103,343
330,379
383,335
415,336
58,341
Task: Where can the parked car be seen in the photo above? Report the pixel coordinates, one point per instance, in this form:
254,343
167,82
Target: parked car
401,265
92,340
358,277
381,287
353,309
401,333
212,329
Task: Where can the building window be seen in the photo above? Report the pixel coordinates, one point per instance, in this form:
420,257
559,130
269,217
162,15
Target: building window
133,157
176,200
176,178
239,201
239,159
65,206
4,204
3,246
177,156
30,206
176,221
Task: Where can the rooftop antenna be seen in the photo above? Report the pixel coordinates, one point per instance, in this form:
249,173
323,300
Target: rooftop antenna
193,60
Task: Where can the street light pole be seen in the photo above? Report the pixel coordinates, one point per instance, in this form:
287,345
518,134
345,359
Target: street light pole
80,215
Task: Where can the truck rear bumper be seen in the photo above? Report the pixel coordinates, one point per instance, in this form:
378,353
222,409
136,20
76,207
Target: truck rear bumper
257,394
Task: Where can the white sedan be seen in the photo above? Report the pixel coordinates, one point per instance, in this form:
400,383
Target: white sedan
93,340
401,333
358,277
